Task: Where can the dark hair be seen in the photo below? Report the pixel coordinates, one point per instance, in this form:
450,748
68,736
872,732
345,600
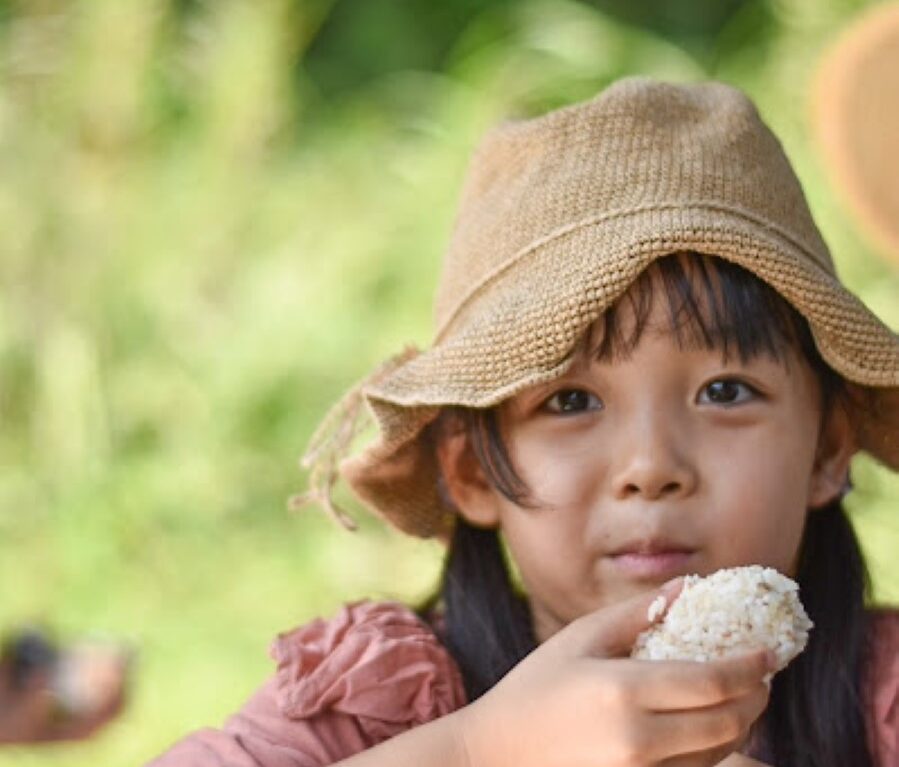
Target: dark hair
815,713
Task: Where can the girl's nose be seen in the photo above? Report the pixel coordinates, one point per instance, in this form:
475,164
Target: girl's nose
654,465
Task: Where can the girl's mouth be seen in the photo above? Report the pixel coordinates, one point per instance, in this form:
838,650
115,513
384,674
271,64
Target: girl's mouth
660,564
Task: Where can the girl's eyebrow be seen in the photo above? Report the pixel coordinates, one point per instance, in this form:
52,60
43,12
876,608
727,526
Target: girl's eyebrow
761,362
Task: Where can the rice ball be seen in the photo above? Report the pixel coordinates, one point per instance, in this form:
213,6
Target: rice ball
729,612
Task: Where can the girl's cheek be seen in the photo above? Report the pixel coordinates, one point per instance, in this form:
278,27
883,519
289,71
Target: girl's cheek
760,510
563,477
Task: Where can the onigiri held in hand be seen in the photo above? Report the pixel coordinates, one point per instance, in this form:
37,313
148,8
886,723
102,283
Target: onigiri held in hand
729,612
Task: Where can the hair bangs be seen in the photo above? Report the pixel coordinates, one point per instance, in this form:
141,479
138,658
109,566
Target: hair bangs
712,304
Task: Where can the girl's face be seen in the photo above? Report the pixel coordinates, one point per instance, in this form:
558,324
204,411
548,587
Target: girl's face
688,463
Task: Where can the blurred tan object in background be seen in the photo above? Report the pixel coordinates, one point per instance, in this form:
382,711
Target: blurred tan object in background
856,120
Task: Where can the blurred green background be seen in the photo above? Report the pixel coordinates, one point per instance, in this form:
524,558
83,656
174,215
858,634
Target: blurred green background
214,217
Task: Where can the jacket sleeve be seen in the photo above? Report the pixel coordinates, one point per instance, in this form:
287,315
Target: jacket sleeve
260,735
342,686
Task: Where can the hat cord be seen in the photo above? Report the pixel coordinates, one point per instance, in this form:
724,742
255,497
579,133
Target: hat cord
332,439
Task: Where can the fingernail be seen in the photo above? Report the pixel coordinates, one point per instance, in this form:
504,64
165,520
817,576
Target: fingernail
672,586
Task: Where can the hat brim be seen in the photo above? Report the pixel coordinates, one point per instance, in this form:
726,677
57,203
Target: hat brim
520,327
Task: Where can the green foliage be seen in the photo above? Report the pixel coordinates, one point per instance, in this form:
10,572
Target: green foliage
214,217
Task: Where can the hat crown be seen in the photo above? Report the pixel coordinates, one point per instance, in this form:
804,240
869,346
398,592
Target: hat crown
640,143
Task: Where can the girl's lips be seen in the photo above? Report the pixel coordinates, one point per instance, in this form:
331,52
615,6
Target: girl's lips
662,564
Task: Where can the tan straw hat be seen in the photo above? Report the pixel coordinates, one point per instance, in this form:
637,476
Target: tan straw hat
558,216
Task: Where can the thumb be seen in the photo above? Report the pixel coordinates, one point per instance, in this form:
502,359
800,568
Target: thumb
612,631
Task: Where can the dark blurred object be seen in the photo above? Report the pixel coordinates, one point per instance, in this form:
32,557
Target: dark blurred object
51,693
856,119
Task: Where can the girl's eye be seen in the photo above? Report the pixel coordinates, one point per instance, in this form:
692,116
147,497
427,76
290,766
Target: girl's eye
727,391
572,401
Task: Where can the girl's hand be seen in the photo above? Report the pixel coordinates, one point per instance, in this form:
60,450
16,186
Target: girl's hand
578,700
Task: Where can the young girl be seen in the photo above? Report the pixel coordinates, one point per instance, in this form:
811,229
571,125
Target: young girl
644,366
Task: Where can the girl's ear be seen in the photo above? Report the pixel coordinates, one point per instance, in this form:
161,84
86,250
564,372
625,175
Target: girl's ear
836,446
465,481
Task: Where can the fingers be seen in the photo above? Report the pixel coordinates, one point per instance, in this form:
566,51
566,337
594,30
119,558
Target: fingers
739,760
611,631
724,756
677,685
715,757
715,731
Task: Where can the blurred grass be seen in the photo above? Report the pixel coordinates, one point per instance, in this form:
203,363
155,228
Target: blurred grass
215,216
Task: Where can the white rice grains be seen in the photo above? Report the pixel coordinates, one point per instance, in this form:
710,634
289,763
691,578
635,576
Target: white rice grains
731,611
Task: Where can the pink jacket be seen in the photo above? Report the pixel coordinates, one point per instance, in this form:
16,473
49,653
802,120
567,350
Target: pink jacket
375,670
